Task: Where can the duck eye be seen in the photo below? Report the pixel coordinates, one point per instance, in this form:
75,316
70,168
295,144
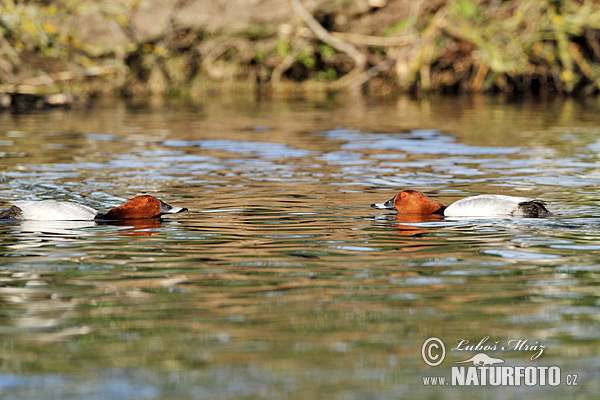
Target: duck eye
148,200
403,195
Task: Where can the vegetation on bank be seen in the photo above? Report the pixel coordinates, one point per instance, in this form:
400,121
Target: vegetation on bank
379,46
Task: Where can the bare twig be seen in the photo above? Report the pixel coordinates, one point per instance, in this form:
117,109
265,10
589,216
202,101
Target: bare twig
323,35
32,85
287,62
371,73
583,65
376,41
365,40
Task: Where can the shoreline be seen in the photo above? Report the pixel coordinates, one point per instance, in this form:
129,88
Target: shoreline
66,56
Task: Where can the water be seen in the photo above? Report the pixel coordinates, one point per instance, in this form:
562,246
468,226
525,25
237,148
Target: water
281,282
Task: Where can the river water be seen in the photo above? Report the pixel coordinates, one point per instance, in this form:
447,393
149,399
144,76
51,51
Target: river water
281,281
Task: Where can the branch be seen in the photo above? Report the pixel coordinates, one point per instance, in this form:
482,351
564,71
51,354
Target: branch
32,85
360,60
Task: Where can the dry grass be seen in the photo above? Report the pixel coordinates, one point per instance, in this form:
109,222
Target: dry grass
525,46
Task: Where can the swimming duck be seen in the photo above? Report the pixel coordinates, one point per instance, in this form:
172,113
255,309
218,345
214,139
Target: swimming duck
485,205
140,207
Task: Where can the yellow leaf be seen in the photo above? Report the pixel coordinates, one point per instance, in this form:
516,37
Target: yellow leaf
49,28
160,51
86,62
52,9
29,27
122,20
556,19
567,75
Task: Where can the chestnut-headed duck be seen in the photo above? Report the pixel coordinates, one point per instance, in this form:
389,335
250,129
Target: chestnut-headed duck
485,205
140,207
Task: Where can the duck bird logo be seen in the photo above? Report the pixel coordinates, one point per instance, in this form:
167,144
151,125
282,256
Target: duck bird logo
481,360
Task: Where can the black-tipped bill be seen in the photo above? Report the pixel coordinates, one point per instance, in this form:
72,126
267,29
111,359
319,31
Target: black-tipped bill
169,209
388,205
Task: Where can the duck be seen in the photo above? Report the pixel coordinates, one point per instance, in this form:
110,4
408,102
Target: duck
413,202
139,207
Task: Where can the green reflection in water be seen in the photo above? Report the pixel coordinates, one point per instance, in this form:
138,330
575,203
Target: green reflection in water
281,282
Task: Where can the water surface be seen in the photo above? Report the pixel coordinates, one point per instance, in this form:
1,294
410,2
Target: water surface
281,282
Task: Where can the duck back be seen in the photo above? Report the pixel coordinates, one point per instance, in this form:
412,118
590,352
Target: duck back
52,210
487,205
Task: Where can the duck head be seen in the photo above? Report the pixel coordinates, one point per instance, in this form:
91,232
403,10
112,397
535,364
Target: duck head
412,202
141,207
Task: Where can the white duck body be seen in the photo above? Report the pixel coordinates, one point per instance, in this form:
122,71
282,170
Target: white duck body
53,210
487,205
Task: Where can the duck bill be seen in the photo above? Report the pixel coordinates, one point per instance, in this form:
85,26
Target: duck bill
169,209
388,205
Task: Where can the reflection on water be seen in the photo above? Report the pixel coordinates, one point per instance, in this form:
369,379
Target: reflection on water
281,281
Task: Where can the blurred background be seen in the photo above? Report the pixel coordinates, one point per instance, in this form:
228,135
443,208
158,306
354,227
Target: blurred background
380,47
277,123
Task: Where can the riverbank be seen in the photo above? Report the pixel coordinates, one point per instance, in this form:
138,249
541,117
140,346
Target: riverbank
86,49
